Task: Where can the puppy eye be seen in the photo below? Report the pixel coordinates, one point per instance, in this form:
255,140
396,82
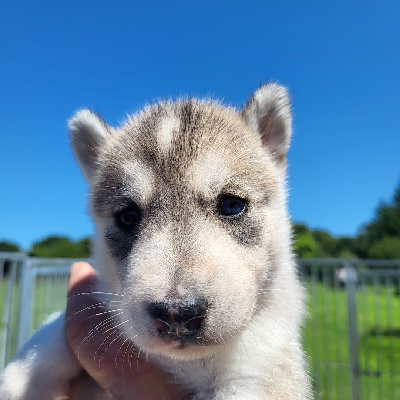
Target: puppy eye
230,206
128,218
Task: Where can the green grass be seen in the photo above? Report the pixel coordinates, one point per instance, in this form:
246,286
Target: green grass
325,336
51,295
48,296
326,341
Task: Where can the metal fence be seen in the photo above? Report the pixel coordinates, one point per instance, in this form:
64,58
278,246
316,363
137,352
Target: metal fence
352,334
31,289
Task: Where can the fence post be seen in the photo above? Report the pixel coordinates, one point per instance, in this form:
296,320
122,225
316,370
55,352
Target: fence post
351,288
25,302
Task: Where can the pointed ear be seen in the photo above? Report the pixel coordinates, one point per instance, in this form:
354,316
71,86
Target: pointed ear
268,113
88,134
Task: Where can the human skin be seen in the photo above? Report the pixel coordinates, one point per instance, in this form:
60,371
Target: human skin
111,364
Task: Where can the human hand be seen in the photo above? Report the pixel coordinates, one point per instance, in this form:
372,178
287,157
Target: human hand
103,351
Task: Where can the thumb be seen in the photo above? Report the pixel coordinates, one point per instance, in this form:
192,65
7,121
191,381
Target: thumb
80,272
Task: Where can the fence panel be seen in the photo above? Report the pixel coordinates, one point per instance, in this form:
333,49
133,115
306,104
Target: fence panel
49,293
353,332
378,316
326,331
31,289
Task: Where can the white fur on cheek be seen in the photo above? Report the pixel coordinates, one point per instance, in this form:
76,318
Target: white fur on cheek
148,279
231,279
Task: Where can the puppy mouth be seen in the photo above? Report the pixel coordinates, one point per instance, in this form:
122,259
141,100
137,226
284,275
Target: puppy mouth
184,333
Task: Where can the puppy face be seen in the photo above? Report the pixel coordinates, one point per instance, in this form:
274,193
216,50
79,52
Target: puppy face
188,202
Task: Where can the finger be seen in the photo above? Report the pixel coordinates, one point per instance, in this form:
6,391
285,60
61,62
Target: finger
80,272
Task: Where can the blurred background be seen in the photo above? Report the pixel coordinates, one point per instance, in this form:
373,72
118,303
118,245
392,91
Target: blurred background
340,61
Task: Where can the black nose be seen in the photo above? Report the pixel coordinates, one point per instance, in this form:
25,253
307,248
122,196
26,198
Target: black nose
179,319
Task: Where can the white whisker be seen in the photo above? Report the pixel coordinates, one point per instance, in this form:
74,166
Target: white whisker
89,293
97,329
92,306
121,346
105,312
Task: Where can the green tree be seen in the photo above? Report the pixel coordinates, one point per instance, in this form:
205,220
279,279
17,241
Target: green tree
86,244
61,246
305,246
386,248
345,247
326,242
373,239
9,246
298,229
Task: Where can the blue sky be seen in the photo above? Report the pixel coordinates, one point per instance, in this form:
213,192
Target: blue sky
340,60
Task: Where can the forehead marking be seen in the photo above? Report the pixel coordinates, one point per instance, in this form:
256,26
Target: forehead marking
139,178
165,133
209,171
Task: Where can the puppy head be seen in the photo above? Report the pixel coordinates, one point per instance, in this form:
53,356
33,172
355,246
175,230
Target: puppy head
189,206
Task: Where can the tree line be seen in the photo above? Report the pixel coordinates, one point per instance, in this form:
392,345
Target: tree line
54,246
379,239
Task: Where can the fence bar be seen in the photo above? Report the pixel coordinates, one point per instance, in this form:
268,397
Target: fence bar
52,271
350,284
25,302
2,262
5,329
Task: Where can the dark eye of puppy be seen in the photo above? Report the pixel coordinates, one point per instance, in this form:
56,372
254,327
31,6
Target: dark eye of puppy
128,218
231,206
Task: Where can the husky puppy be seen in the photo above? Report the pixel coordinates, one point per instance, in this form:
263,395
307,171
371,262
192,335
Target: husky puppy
189,204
